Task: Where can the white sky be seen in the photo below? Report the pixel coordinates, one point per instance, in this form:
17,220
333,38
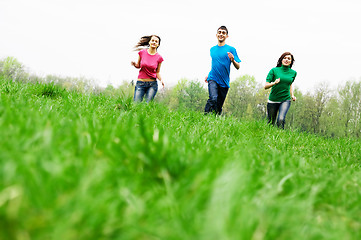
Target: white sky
95,38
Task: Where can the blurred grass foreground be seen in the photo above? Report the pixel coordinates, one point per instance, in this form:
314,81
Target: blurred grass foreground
90,166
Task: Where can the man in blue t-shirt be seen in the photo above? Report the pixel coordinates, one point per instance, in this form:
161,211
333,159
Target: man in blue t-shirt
218,78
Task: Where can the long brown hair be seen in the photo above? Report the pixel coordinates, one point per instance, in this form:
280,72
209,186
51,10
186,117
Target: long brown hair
144,42
279,62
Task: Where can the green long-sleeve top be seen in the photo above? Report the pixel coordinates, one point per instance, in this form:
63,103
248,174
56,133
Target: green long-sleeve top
281,91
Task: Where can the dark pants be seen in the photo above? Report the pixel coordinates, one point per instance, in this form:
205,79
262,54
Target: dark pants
280,108
217,95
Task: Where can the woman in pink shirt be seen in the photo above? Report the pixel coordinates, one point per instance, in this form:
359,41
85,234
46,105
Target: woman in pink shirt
149,63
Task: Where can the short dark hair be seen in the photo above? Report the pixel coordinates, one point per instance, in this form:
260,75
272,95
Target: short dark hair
223,28
279,62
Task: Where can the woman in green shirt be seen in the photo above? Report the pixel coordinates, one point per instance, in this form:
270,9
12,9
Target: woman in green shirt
280,79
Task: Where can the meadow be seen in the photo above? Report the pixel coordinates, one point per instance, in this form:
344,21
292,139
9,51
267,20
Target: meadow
95,166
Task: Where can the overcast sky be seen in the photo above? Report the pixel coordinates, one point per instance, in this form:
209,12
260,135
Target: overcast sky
95,38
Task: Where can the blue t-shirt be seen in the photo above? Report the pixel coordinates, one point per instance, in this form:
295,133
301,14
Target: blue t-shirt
221,64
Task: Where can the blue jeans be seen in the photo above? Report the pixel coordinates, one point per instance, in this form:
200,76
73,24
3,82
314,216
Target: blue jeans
217,95
280,108
146,90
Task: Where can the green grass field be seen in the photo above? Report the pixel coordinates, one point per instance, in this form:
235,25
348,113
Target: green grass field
86,166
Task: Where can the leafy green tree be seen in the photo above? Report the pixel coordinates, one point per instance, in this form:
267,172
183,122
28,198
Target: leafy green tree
196,94
12,69
242,95
306,113
189,94
321,97
261,99
331,120
173,96
350,98
164,97
303,113
295,110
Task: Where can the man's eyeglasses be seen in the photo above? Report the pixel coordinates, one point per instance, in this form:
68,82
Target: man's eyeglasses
222,32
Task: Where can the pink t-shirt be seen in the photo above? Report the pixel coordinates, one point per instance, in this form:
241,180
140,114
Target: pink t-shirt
148,64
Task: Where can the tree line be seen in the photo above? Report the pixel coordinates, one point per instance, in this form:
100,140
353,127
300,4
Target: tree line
325,111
